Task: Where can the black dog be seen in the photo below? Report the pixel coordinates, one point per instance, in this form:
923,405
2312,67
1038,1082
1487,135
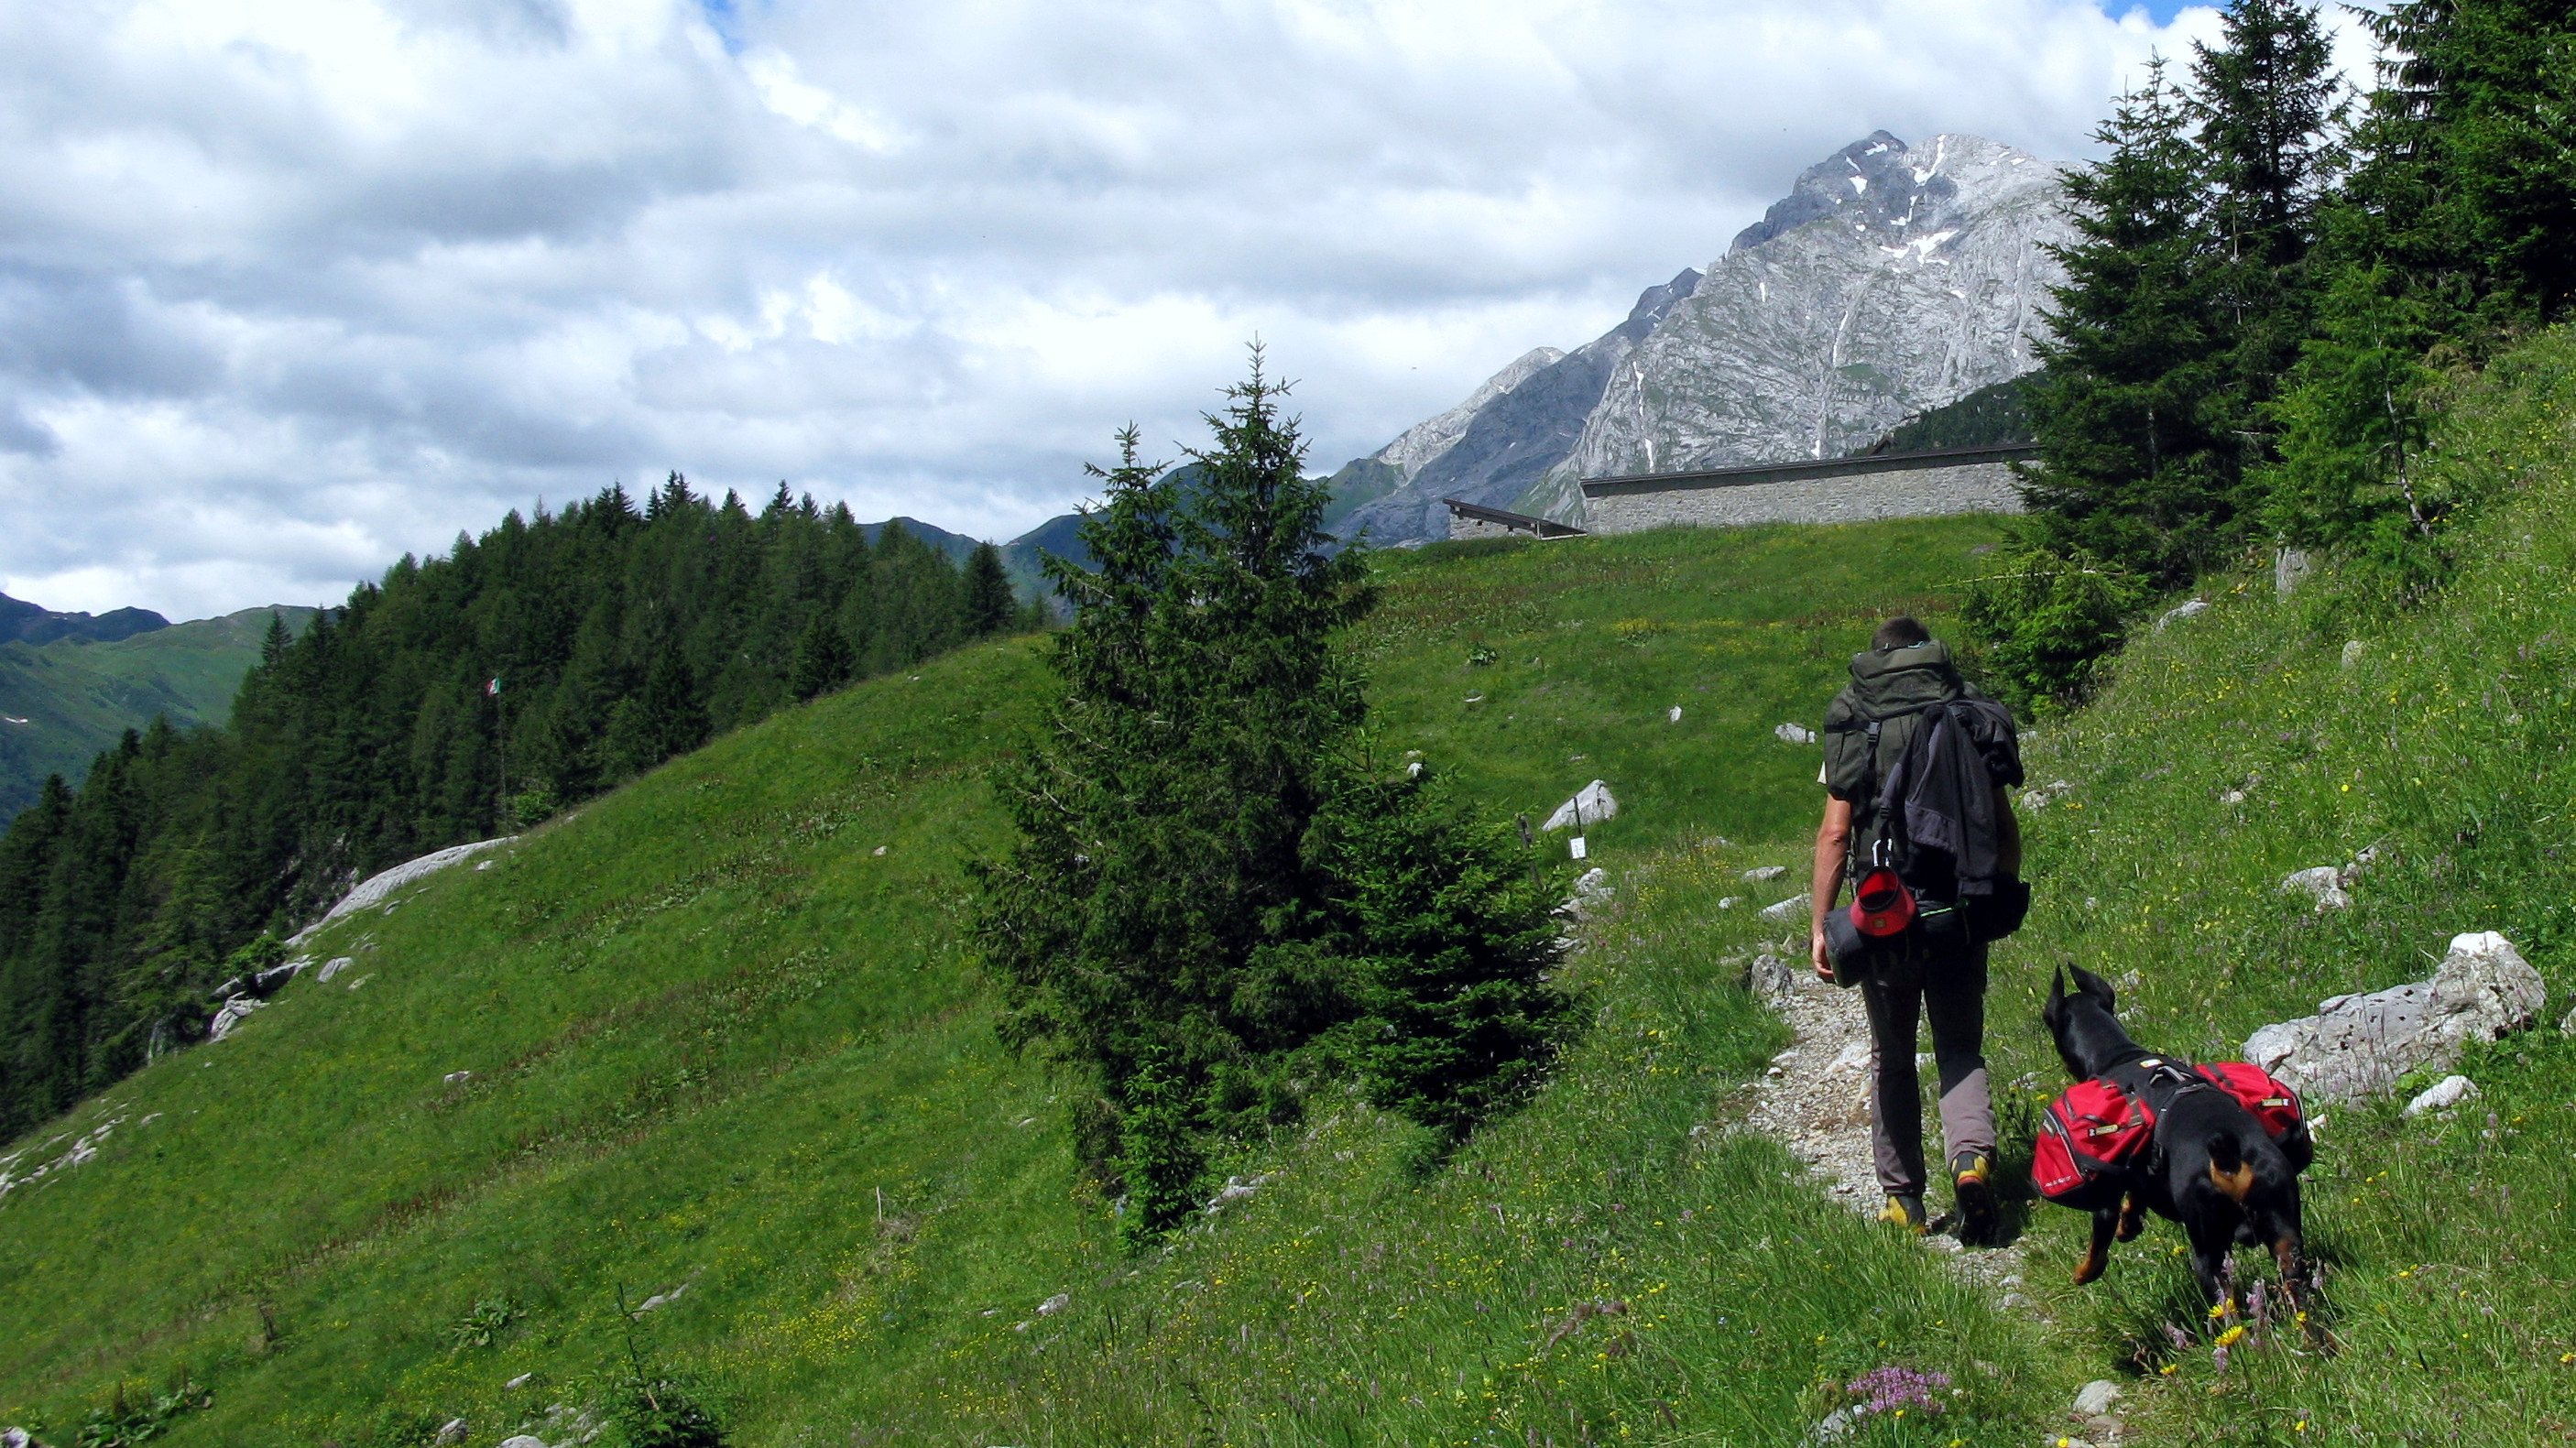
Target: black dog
2212,1168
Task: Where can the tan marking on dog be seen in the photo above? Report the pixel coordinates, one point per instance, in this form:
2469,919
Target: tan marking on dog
2234,1183
2133,1220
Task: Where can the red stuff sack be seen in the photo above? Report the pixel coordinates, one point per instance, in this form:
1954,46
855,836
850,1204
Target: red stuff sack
2267,1101
2090,1135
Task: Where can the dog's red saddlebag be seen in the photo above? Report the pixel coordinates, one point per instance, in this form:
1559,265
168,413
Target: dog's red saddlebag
2273,1104
2091,1134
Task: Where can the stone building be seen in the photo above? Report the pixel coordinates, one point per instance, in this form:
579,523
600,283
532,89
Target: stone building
1836,490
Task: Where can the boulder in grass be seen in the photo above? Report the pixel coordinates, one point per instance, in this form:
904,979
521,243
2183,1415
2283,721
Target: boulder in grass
2442,1095
1591,892
1795,734
2192,609
1593,803
231,1015
2321,883
2358,1045
1789,909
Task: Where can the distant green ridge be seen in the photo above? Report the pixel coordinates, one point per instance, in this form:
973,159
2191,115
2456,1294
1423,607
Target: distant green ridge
75,696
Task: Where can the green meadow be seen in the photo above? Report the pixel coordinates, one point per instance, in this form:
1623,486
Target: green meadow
725,1047
722,1044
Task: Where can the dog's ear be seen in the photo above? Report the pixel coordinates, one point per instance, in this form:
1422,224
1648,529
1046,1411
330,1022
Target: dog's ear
2055,1010
2094,986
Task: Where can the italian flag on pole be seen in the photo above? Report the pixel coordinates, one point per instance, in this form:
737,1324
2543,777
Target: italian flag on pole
493,688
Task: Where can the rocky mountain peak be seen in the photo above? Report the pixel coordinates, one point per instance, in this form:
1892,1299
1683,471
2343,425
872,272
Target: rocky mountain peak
1892,279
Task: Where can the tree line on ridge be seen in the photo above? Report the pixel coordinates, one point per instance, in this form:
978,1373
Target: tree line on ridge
462,696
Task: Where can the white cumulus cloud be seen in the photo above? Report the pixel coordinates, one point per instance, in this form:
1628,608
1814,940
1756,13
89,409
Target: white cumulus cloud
288,289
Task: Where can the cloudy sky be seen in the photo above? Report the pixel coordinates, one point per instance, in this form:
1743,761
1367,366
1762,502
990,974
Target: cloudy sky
287,289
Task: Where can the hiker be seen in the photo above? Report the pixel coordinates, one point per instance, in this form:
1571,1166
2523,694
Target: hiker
1917,769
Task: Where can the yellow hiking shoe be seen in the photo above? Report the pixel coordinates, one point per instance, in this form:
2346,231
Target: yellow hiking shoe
1905,1212
1972,1180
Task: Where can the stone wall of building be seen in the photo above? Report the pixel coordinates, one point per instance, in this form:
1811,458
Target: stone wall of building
1923,492
1462,526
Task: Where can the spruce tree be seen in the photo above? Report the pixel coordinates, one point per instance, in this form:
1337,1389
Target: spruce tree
985,599
1212,897
2267,104
2466,182
823,659
2133,467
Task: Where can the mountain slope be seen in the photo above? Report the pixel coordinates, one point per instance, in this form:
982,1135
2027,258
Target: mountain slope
1894,280
35,624
1891,281
1510,442
62,702
717,1042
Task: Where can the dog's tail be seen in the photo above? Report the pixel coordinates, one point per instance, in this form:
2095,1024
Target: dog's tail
2228,1169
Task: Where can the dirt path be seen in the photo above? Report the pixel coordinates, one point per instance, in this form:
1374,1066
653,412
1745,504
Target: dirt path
1814,1099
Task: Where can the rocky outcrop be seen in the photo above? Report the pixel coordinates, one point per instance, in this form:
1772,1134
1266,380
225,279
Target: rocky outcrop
374,889
1591,804
2358,1045
1892,279
1511,439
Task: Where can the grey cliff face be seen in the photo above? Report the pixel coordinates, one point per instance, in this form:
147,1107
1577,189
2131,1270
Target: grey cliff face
1923,282
1509,443
1892,279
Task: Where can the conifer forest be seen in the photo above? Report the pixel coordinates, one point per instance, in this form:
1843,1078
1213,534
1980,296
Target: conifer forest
462,696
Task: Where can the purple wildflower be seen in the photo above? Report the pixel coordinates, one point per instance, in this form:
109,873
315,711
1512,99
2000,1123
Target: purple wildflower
1892,1389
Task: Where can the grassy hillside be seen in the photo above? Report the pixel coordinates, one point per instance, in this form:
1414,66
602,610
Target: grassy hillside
2444,742
718,1042
77,696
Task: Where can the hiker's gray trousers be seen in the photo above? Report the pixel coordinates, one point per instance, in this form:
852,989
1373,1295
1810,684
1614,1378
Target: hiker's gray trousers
1951,989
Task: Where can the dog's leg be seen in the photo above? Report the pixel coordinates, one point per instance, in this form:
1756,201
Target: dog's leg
2209,1243
2098,1255
2133,1218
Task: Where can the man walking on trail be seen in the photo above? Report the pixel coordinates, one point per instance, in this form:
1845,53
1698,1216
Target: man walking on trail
1902,680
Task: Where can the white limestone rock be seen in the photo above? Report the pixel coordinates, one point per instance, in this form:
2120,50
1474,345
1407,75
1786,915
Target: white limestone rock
231,1015
1591,892
2442,1095
1760,873
1771,975
1593,803
1789,909
2358,1045
2352,652
1795,734
335,965
2096,1398
2193,609
2321,883
376,887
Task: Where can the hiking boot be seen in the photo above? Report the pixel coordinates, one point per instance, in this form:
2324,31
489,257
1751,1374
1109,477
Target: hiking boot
1971,1178
1906,1212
